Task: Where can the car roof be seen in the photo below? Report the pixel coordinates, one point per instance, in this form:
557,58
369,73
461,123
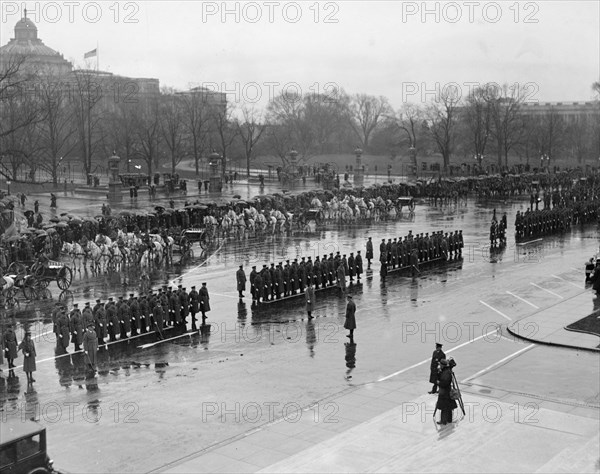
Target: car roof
15,429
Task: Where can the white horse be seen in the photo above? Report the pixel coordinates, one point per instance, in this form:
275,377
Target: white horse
210,224
75,251
226,225
97,254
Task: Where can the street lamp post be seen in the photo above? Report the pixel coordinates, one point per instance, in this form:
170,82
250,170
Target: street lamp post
359,172
8,187
216,183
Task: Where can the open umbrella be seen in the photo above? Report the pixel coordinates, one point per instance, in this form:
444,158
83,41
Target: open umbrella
62,225
51,231
26,231
54,219
75,221
28,213
237,196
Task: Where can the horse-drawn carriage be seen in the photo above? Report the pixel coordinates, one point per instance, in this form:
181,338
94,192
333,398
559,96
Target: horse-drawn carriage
311,215
33,280
407,201
201,236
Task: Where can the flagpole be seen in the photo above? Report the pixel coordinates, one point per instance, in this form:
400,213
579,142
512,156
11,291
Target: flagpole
97,57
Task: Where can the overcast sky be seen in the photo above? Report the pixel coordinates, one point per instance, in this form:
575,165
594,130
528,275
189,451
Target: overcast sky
390,48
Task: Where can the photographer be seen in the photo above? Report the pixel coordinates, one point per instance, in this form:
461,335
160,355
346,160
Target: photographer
445,403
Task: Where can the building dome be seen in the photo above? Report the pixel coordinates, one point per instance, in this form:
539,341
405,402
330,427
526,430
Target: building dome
27,44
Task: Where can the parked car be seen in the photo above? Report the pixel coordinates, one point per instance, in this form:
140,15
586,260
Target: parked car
23,448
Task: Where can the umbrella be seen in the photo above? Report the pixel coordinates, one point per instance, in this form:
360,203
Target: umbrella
40,231
51,231
237,196
211,203
13,238
125,213
62,225
63,219
75,221
26,231
54,219
28,213
95,217
48,226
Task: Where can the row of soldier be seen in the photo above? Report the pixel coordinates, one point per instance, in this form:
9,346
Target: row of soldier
404,252
544,222
286,280
153,311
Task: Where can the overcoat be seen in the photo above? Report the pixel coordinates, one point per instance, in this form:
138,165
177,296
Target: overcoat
90,345
28,348
350,322
310,298
10,344
438,355
444,402
204,299
240,276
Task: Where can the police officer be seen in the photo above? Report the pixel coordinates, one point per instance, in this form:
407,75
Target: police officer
240,277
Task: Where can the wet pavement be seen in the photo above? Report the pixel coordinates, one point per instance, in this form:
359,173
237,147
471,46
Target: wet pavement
157,405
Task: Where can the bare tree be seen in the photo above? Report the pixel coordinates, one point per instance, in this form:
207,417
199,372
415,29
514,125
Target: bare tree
57,128
441,121
549,134
148,133
366,113
124,134
223,132
250,131
172,126
477,120
196,119
87,98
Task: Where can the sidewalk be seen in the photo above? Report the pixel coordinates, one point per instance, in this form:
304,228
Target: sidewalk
547,326
388,427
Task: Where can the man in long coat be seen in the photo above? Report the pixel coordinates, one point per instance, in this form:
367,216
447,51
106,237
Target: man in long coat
112,318
175,307
369,254
90,346
184,299
444,402
253,274
159,318
76,327
134,309
350,322
309,295
358,265
87,315
204,302
437,356
351,266
341,277
100,321
124,318
194,306
240,277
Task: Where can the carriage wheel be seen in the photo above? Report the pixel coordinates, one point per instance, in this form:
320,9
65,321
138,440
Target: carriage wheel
65,296
64,278
29,290
38,270
204,240
319,218
16,268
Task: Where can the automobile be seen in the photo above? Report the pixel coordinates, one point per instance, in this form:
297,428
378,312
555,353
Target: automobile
23,448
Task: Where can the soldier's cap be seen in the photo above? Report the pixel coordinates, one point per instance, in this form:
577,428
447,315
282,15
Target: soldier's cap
351,253
75,305
264,266
437,344
287,261
253,266
180,286
91,325
369,238
383,240
193,287
344,255
358,251
87,303
331,255
295,260
204,284
98,301
110,299
170,288
272,264
349,297
131,295
241,266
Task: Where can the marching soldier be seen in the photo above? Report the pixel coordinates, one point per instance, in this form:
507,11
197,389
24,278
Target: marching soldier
351,266
204,302
64,328
134,309
240,277
358,264
124,318
252,284
369,254
100,321
286,278
113,320
184,304
76,327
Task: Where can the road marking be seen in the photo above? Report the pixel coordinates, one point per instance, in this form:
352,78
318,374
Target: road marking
548,291
495,364
530,242
429,360
494,309
523,300
189,333
180,277
569,282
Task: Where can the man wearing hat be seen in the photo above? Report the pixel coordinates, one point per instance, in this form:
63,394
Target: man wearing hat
184,301
194,302
87,315
124,318
175,308
204,302
437,356
100,321
350,322
112,319
369,254
351,266
134,309
90,346
144,313
358,265
258,284
445,403
266,278
253,274
302,275
286,279
76,327
240,277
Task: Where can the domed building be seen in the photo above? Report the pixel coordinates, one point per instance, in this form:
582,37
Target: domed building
37,55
